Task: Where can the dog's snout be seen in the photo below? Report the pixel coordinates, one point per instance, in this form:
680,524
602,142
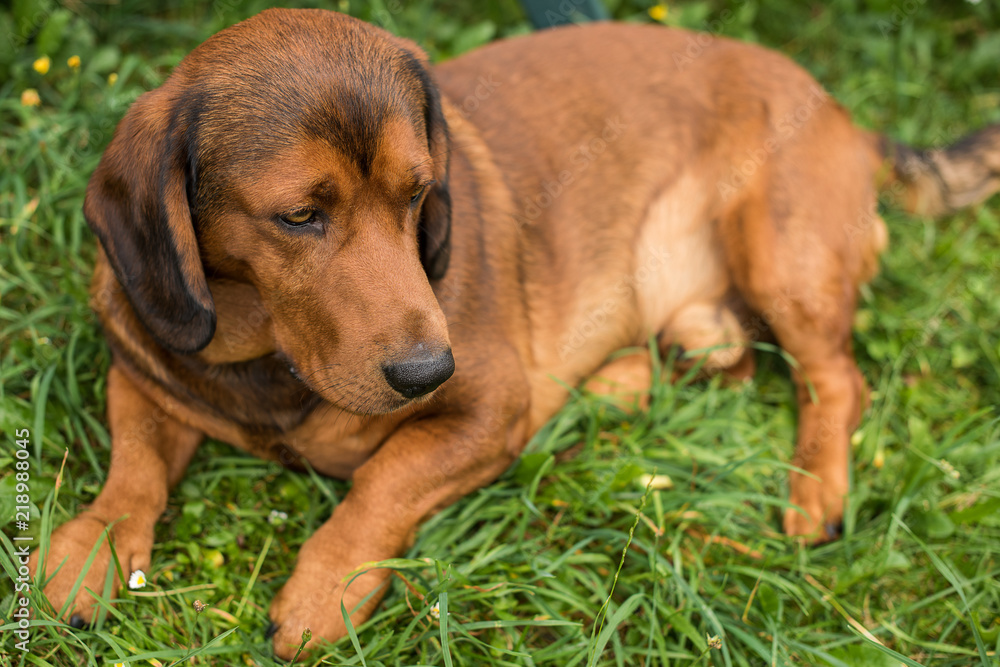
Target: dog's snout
421,374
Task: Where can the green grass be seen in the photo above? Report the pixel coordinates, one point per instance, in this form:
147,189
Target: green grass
521,571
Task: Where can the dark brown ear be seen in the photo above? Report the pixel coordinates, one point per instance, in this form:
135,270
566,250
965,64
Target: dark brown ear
435,218
137,204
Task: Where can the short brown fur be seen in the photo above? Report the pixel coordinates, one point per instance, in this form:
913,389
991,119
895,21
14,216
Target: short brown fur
598,193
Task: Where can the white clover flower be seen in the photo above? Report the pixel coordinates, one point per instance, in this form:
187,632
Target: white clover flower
137,580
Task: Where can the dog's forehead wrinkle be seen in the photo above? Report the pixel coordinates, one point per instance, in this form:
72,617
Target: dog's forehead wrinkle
350,119
302,70
342,90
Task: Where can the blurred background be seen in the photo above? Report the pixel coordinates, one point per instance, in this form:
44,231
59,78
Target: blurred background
893,52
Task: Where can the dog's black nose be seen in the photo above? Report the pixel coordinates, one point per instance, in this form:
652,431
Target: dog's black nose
421,374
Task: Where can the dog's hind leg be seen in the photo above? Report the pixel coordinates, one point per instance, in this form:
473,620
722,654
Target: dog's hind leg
149,452
801,273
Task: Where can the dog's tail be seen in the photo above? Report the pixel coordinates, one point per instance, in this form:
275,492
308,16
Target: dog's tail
936,182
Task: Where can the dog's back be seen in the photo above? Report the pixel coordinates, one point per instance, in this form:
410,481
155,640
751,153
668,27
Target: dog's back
705,192
642,161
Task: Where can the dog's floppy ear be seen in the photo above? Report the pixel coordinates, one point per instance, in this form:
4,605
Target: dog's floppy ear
435,219
137,204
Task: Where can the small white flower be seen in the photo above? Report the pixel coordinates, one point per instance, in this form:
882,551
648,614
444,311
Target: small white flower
436,610
655,481
137,580
277,517
119,664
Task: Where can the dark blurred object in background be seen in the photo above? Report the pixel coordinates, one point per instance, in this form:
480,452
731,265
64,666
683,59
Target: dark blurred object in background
550,13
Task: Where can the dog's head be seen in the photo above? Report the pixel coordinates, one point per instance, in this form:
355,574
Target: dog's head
306,153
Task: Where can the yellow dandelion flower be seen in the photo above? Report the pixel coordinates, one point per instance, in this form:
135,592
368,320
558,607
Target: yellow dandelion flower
73,62
30,98
659,12
42,65
112,78
879,459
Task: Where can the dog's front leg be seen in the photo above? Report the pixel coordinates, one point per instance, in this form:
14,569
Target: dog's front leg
425,466
149,452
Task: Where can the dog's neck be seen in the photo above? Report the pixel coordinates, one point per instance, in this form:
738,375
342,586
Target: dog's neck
238,378
243,328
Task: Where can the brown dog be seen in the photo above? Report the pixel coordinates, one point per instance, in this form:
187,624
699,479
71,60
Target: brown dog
305,234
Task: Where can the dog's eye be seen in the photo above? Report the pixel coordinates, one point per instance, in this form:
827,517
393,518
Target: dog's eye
421,189
297,218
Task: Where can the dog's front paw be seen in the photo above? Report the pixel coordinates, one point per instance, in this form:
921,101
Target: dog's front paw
823,504
70,547
311,600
